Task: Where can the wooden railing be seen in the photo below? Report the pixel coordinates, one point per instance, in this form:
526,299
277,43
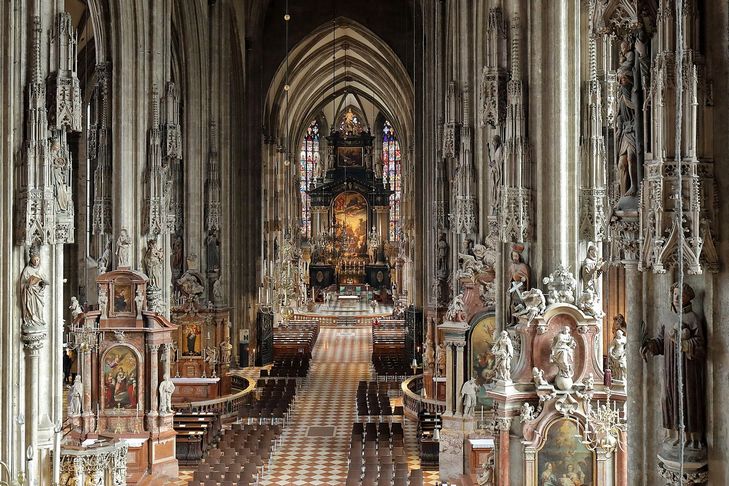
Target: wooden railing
223,406
414,403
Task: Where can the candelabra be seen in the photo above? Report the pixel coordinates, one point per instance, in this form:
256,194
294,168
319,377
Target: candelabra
603,425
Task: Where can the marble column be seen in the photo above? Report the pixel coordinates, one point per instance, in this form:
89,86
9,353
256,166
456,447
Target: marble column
450,409
504,426
605,471
33,344
88,414
153,377
459,376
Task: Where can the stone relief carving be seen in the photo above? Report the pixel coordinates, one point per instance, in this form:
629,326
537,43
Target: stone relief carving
532,303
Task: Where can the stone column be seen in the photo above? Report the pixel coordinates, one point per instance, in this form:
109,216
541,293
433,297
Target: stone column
504,426
33,343
168,348
634,378
153,377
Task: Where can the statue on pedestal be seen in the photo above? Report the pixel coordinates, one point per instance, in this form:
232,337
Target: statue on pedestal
104,261
226,350
166,389
139,302
440,356
76,397
592,268
456,310
122,249
690,335
618,360
538,377
76,309
33,285
503,351
519,272
563,355
496,160
152,262
468,393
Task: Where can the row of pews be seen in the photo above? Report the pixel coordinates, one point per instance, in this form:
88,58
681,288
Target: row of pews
294,339
197,432
389,358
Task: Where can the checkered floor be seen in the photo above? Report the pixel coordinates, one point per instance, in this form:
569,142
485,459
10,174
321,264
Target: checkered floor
316,440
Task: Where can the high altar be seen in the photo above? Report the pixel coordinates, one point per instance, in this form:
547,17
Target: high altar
350,214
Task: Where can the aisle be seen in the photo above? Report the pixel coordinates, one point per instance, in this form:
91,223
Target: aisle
316,441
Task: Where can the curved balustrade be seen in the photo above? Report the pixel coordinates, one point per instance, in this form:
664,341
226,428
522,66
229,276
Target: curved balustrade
414,403
224,406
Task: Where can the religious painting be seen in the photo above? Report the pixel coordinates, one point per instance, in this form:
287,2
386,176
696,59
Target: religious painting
482,359
564,460
123,298
350,215
191,340
349,156
121,385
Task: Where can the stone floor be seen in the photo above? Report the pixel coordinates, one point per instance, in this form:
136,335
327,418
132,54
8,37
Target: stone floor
316,440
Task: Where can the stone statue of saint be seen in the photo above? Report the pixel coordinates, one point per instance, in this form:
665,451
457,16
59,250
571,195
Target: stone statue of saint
440,356
563,355
456,310
152,262
496,160
592,268
166,389
632,75
619,323
217,292
60,167
442,251
122,249
519,272
503,351
213,250
76,397
468,393
104,260
692,340
76,309
618,360
32,292
177,257
139,302
226,350
429,354
103,302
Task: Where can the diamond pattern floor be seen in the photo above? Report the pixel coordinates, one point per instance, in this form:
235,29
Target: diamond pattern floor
316,441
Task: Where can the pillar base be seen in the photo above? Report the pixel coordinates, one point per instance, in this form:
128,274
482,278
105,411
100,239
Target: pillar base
453,435
694,473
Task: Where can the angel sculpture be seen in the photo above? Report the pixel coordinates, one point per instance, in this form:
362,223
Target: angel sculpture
532,303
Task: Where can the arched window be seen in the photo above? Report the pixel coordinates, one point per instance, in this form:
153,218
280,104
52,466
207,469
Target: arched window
391,165
308,160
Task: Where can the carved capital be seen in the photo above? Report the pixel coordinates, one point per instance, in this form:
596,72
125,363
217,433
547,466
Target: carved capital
503,424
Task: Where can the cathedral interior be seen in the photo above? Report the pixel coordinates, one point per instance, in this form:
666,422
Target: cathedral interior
413,242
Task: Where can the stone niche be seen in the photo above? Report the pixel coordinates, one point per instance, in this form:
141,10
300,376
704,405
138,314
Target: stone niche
124,353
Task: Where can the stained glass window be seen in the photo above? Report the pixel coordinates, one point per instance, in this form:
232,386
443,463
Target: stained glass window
308,160
391,165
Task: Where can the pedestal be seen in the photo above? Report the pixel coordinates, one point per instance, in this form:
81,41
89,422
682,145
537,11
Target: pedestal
694,473
453,437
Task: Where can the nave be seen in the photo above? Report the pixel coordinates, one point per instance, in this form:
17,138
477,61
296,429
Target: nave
315,443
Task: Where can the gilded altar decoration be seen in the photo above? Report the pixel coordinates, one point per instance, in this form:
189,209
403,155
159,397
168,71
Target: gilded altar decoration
350,214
